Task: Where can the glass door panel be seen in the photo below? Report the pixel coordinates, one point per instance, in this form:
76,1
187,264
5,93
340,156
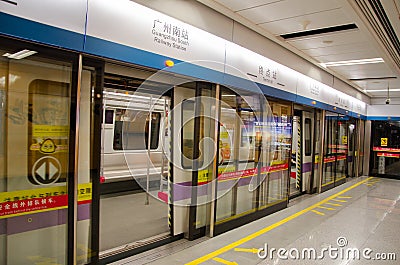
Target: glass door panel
361,147
341,149
330,147
229,137
278,171
385,153
35,157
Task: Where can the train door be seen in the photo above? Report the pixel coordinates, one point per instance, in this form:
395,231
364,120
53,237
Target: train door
302,153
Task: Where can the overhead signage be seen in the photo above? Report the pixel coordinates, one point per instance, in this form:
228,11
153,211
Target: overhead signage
249,65
144,29
140,27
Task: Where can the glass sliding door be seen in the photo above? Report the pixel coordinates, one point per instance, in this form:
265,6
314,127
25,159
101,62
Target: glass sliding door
341,149
279,170
336,150
254,154
36,154
385,145
361,140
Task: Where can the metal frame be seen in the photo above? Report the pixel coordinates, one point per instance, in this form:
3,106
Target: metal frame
71,182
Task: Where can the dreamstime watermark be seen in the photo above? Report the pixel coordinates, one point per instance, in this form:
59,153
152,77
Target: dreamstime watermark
341,252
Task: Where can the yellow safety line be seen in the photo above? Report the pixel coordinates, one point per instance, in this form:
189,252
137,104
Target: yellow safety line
269,228
226,262
327,208
317,212
373,182
344,197
325,184
338,200
249,250
333,204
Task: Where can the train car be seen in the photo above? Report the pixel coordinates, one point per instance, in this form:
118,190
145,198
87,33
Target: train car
127,145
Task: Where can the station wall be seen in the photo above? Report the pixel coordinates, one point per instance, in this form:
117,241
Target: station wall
207,19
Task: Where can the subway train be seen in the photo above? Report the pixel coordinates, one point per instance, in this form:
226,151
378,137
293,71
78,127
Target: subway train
126,145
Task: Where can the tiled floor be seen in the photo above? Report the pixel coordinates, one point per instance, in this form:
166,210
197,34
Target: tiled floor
363,213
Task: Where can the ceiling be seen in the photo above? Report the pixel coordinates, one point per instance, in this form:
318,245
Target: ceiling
332,31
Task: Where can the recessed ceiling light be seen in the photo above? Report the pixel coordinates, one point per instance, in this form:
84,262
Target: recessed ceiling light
19,55
353,62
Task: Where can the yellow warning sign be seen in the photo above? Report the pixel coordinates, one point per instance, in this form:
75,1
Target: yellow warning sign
21,202
384,141
205,176
46,131
344,139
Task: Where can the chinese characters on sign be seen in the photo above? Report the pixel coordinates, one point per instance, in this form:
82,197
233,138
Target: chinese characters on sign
170,35
17,203
268,75
314,89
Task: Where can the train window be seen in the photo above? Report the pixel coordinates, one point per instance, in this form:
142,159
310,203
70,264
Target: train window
109,116
131,129
307,136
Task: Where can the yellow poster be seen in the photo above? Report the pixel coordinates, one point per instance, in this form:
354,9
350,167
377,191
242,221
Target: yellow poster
344,139
384,141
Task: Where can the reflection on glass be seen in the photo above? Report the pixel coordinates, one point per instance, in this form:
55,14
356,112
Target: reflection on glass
341,149
256,174
34,158
278,171
329,162
385,154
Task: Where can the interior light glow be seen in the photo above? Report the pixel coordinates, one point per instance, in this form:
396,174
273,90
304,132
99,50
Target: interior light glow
384,90
19,55
353,62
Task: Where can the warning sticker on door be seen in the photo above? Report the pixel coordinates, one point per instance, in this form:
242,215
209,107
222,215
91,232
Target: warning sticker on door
16,203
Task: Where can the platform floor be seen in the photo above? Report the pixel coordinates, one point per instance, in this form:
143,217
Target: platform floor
363,213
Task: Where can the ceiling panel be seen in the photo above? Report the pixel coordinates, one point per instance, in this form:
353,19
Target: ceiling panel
287,9
365,54
338,49
350,37
280,17
318,20
384,94
236,5
379,84
382,67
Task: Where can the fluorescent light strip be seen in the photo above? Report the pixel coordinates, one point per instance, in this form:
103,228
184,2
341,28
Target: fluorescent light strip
383,90
353,62
19,55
